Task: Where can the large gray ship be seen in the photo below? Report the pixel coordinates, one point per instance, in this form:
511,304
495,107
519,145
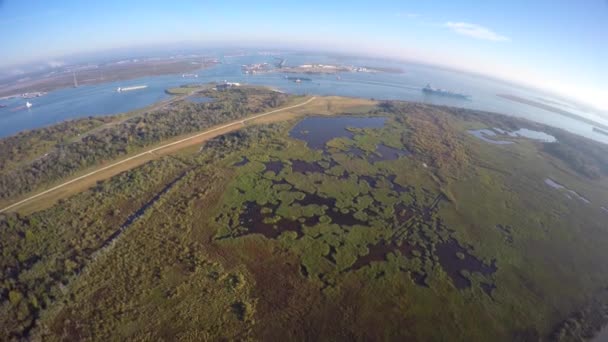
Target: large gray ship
443,92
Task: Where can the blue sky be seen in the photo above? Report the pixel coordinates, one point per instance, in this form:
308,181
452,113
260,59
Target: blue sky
557,45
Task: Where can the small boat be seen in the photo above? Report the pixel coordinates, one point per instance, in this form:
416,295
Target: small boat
28,105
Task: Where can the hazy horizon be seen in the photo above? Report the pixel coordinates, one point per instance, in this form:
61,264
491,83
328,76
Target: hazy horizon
554,46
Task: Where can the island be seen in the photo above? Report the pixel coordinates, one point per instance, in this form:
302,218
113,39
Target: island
552,109
312,68
37,84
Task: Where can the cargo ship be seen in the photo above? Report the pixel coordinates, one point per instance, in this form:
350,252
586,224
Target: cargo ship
443,92
120,90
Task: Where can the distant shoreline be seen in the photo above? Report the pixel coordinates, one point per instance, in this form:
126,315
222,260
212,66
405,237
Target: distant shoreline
103,74
553,110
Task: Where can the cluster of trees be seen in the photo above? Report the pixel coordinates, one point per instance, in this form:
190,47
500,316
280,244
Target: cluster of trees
29,145
226,144
68,157
42,252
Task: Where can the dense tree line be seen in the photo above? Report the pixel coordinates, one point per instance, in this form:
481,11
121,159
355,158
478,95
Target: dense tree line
28,145
118,140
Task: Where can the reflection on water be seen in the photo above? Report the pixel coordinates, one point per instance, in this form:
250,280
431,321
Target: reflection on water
534,135
317,131
486,134
384,152
490,135
555,185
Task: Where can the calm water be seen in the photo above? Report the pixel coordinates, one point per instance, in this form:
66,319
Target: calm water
534,135
102,99
491,135
555,185
317,131
486,134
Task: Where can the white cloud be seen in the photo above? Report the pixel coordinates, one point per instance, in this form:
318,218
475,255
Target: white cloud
475,31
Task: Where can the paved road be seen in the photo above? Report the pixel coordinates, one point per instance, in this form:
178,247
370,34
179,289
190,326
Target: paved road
239,122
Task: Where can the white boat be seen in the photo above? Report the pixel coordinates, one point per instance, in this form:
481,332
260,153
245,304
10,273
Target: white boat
120,90
28,104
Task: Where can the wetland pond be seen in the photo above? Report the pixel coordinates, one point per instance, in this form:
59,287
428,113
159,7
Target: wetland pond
300,211
555,185
316,131
491,135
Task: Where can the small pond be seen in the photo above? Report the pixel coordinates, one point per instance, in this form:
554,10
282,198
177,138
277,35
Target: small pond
486,135
534,135
316,131
555,185
491,135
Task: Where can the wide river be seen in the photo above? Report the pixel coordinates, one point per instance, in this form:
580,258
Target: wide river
102,99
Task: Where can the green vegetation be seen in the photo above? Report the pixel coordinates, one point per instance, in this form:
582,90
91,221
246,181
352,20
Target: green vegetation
183,90
28,164
413,231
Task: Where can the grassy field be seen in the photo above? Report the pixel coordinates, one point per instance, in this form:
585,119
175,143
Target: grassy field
414,230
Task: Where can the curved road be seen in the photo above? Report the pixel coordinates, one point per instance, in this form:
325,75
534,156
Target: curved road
239,122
